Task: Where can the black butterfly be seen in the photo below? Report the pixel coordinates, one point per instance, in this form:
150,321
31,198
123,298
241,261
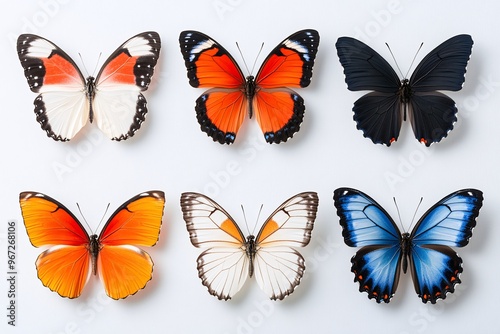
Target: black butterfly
378,114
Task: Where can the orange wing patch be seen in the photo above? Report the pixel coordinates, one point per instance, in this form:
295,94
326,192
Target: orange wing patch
230,228
136,222
120,70
124,270
215,70
279,113
270,227
48,222
60,71
285,70
65,269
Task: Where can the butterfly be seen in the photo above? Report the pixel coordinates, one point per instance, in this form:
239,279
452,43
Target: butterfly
270,256
73,255
431,113
434,266
221,110
67,100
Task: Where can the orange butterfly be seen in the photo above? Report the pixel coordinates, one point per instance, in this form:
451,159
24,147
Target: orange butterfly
73,255
221,110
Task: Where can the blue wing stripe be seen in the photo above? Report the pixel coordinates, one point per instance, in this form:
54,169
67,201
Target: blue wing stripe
450,221
363,220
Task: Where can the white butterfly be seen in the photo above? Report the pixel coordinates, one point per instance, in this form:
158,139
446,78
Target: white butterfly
231,258
67,101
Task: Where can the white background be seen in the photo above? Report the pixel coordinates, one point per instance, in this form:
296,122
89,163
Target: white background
170,153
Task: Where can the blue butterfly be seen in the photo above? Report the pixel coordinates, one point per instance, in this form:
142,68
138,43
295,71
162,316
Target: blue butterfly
431,113
434,266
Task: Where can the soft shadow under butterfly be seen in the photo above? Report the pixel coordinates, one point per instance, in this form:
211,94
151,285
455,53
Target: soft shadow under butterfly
221,110
434,266
67,100
73,255
231,258
378,114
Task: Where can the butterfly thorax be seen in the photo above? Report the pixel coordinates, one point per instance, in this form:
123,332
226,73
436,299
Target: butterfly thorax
405,249
250,93
250,249
94,248
90,87
405,94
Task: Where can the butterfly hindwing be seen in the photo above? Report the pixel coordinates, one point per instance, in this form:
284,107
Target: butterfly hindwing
230,258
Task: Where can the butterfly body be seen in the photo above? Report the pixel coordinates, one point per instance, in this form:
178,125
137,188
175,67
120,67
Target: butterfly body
66,100
432,114
230,258
434,266
279,110
73,255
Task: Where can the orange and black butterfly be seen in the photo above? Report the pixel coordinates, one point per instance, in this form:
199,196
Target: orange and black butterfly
221,110
73,255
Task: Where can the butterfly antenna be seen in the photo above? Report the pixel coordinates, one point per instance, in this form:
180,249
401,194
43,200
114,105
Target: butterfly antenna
102,218
415,213
241,54
392,54
255,61
399,213
258,217
411,65
81,214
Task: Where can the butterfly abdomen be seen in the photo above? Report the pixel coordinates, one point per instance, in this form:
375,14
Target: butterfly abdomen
405,249
405,94
90,87
250,93
94,248
250,250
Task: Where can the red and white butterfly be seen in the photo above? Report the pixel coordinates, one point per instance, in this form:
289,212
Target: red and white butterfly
231,258
67,100
73,255
221,110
